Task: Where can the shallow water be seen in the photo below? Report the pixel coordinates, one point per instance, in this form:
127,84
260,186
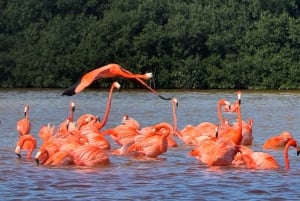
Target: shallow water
174,175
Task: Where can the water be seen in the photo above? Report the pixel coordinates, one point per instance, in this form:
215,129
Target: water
174,175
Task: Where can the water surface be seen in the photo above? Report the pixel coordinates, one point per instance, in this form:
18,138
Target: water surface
174,175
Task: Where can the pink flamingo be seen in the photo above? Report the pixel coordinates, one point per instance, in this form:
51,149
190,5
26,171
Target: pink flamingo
278,141
261,160
234,133
213,152
148,144
90,155
233,107
109,71
24,125
26,142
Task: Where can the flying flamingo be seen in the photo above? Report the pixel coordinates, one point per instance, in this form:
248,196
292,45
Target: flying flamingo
25,142
109,71
278,141
24,125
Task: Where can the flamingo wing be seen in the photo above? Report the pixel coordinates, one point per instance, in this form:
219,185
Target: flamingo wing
86,80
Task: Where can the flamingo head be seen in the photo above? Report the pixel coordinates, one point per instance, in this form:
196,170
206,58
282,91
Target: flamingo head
239,96
72,105
148,75
18,151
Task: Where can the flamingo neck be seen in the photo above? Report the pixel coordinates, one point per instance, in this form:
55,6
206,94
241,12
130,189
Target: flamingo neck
107,109
220,113
71,114
174,116
286,155
240,126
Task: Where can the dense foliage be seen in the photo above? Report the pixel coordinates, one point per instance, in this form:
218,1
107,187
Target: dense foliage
246,44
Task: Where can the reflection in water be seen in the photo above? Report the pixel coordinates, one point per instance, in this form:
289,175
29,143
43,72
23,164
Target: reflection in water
175,175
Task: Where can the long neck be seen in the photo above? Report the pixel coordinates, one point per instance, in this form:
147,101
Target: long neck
71,114
174,115
286,155
107,110
240,126
220,113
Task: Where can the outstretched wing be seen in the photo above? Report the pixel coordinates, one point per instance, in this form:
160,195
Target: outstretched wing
86,80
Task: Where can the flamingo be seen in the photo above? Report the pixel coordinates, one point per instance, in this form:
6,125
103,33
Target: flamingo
129,120
261,160
234,133
233,107
189,133
213,152
47,149
279,141
26,142
149,143
122,134
109,71
91,119
46,132
24,125
72,124
90,155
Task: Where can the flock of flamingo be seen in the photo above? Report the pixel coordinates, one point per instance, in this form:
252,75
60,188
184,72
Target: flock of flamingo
83,142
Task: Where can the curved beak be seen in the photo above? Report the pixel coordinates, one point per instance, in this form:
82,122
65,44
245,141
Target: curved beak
37,161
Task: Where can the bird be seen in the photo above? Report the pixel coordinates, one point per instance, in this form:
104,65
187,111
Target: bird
149,143
109,71
72,124
262,160
189,132
234,133
215,152
90,155
24,125
89,119
278,141
238,102
26,142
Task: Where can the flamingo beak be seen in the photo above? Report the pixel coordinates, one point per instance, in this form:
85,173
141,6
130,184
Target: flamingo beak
37,161
19,155
298,151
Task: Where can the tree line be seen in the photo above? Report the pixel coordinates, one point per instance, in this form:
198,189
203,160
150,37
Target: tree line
207,44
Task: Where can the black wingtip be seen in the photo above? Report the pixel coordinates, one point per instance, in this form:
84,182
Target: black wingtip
69,92
164,98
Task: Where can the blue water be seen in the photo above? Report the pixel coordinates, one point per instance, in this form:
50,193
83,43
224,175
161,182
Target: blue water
174,175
